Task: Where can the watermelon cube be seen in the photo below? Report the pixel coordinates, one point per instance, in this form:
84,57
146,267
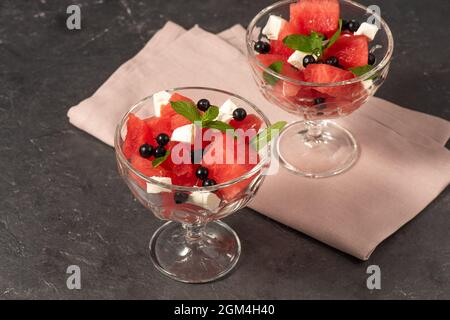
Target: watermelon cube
268,59
277,47
179,164
145,167
138,133
352,51
251,122
288,29
167,110
159,125
215,159
321,16
323,73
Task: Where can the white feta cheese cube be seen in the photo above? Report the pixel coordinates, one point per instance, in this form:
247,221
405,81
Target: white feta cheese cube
153,188
207,200
296,59
226,111
367,84
273,27
184,134
160,99
367,29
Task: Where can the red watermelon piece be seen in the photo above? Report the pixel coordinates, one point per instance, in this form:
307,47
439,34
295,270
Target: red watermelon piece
178,97
290,89
177,121
268,59
251,121
306,95
159,125
352,51
315,15
222,172
167,111
277,47
283,87
323,73
138,133
145,167
183,174
288,29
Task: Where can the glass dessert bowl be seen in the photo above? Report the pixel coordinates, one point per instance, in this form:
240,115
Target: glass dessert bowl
320,61
191,192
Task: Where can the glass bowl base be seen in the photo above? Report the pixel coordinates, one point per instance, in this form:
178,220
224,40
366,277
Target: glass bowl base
210,255
317,149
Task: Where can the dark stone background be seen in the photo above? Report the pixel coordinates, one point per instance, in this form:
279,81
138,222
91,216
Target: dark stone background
63,203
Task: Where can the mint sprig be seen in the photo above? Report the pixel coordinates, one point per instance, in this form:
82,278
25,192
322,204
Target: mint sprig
207,120
187,110
157,161
309,44
210,114
335,36
277,67
298,42
262,138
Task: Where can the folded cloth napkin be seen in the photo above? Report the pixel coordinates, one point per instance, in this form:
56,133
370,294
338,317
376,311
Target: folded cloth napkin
403,165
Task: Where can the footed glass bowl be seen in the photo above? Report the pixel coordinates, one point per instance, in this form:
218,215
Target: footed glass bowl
193,246
317,147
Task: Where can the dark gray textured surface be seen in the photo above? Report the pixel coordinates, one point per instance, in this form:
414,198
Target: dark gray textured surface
63,203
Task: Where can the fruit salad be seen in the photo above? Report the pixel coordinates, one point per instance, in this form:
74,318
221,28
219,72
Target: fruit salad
317,46
194,144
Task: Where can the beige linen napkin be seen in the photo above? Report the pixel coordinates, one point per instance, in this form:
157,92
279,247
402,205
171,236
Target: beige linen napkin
403,164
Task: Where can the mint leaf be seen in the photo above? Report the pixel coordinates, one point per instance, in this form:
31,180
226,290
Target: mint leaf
309,44
298,42
219,125
335,36
187,110
277,67
261,139
157,161
210,114
316,43
359,71
190,112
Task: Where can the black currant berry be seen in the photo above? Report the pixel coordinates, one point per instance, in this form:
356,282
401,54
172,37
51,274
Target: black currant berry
209,183
309,59
162,139
239,114
180,197
202,173
319,100
159,152
372,59
353,25
344,25
203,104
146,151
262,47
